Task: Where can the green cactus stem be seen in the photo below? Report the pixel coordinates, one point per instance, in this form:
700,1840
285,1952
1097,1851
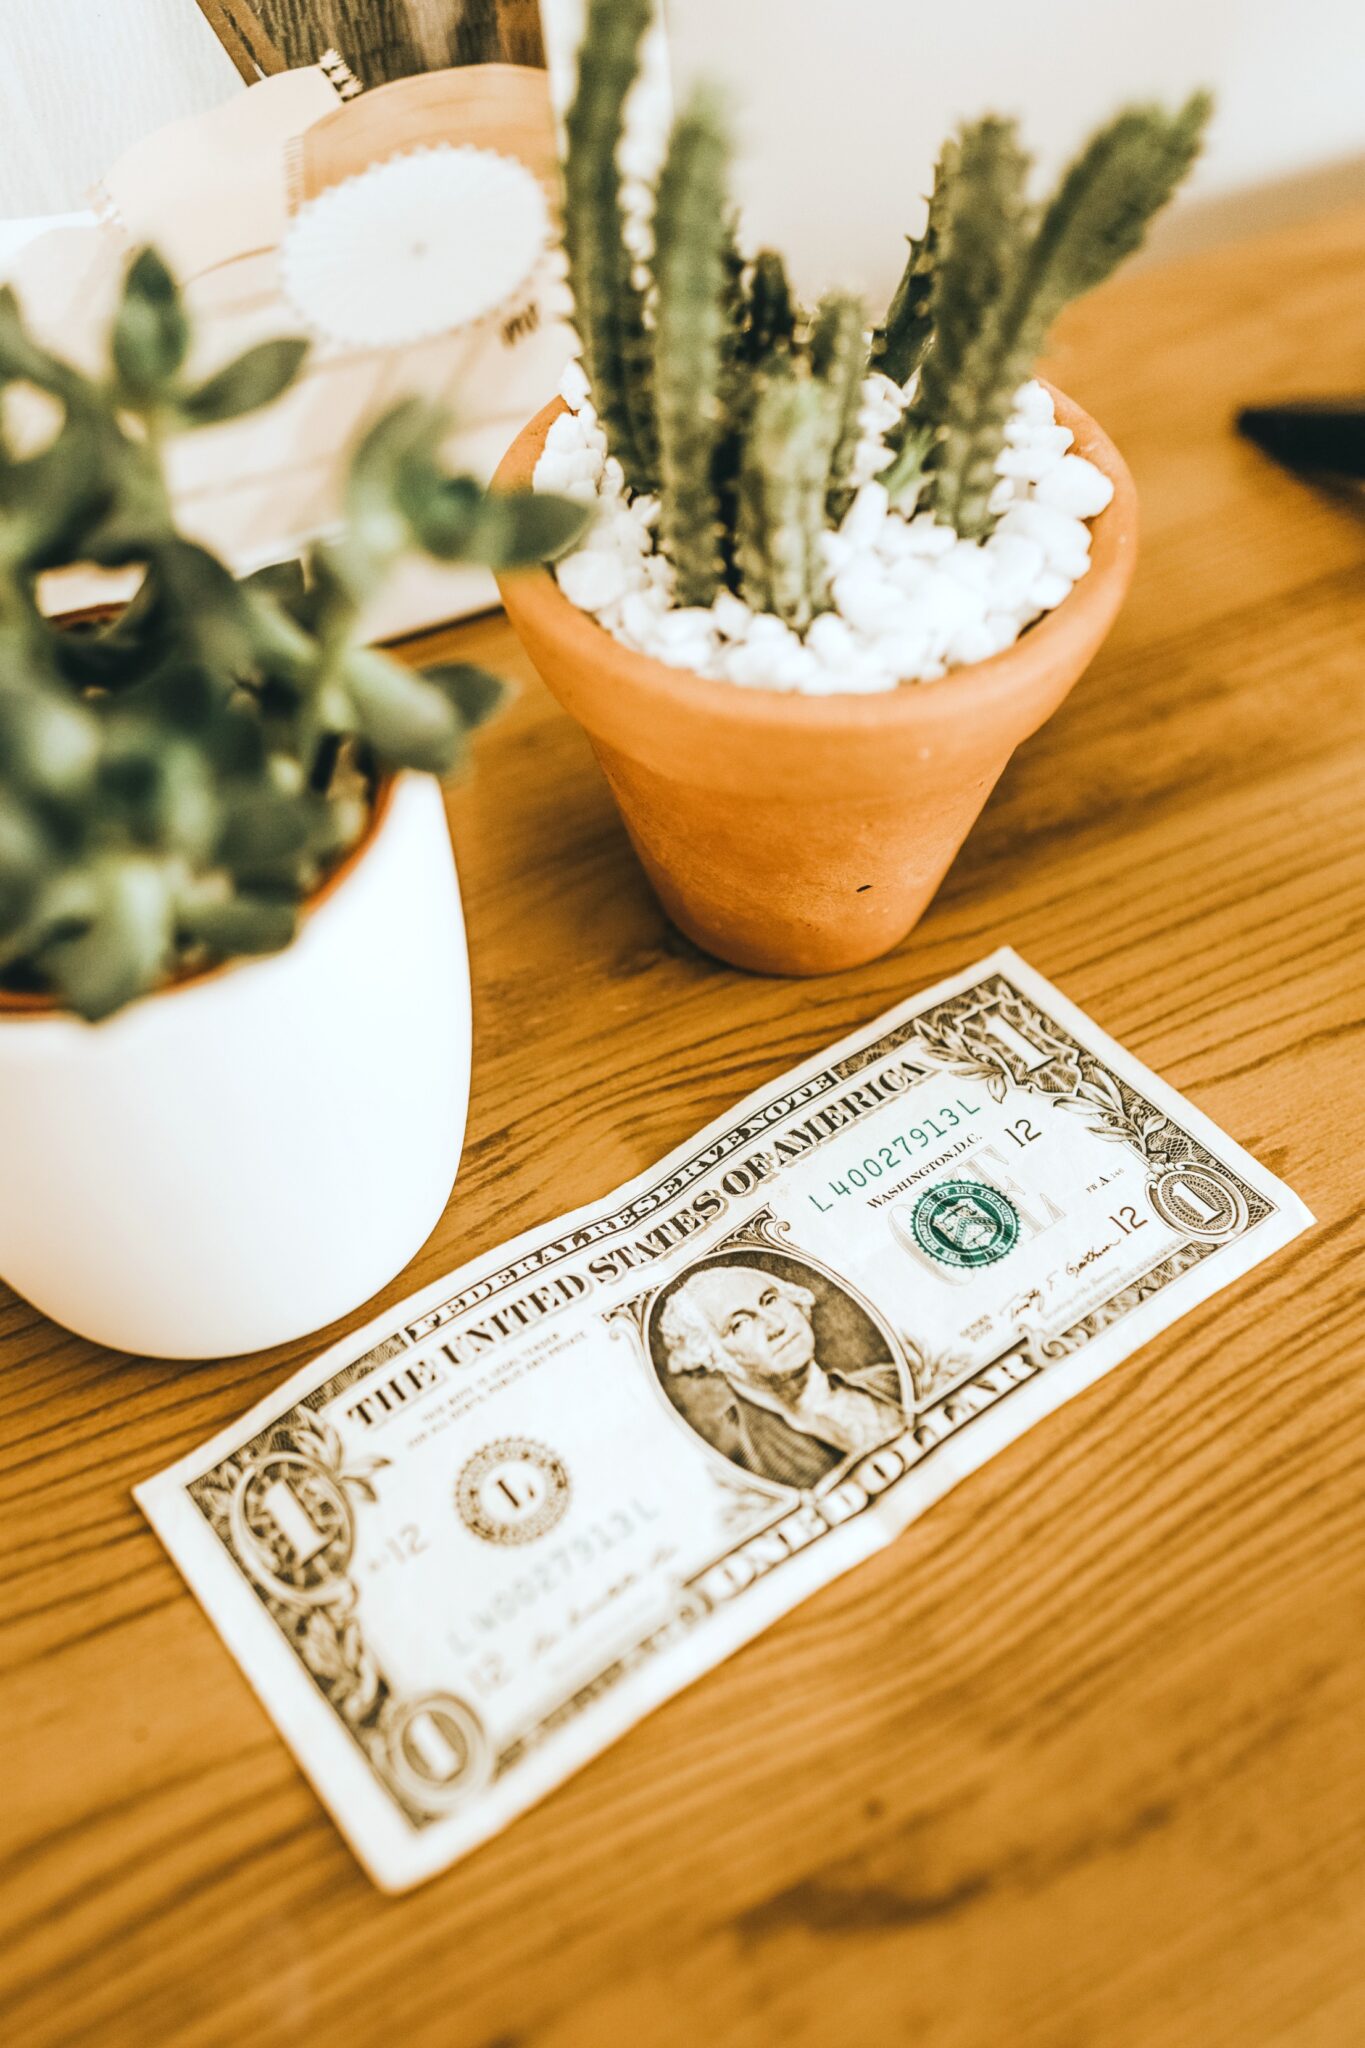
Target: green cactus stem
692,276
1002,280
772,309
898,349
784,478
735,390
838,353
963,398
609,310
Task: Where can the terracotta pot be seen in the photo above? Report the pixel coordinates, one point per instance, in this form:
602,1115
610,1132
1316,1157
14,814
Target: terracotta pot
798,835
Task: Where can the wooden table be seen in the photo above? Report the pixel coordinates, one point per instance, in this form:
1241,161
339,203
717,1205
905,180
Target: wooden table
1080,1761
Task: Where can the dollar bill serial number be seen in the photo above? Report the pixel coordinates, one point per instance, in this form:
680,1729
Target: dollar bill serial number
907,1144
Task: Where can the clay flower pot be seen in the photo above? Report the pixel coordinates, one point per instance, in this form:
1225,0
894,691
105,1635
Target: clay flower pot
793,834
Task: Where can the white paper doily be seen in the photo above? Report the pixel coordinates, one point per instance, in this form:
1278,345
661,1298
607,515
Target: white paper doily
415,247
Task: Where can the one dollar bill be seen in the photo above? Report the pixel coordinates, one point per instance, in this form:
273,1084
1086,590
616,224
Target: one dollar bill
469,1546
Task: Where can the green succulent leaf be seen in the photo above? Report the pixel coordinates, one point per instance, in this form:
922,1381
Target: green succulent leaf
442,512
52,743
253,380
177,779
515,529
125,949
261,827
474,692
247,922
25,856
387,468
21,358
151,333
408,721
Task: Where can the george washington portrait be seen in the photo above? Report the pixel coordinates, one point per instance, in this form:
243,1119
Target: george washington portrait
776,1366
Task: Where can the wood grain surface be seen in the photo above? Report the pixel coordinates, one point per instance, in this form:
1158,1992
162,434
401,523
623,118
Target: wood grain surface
1080,1761
381,39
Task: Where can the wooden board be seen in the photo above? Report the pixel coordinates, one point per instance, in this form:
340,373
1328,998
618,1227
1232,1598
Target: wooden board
379,39
1079,1762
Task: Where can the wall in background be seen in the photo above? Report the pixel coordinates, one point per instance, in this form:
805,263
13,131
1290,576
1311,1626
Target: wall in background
81,79
840,104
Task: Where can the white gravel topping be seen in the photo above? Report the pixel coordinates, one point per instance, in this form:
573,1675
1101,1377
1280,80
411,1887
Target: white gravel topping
911,601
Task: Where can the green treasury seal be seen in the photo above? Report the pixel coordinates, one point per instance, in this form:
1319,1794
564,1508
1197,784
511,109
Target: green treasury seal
965,1223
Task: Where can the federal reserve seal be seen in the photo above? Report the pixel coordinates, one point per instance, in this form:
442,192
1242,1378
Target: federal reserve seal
512,1491
965,1223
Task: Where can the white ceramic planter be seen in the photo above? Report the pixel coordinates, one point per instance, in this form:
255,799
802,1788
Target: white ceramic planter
238,1160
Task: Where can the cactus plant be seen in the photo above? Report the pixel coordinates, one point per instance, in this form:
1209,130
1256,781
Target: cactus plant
715,389
1005,270
692,267
838,353
899,346
608,302
783,487
176,781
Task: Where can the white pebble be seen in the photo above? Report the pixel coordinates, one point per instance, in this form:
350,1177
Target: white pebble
1064,541
864,595
870,458
796,669
772,635
751,667
591,579
837,550
1015,563
831,639
1031,461
639,612
1048,590
927,537
904,653
972,642
865,516
645,508
552,471
1075,486
567,434
1033,401
909,572
970,563
942,606
1003,628
573,385
868,678
613,478
879,387
730,616
617,529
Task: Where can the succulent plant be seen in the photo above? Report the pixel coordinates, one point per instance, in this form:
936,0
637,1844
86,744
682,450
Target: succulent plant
176,780
718,392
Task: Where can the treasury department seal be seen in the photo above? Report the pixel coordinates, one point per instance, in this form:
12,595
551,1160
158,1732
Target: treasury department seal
965,1223
512,1491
